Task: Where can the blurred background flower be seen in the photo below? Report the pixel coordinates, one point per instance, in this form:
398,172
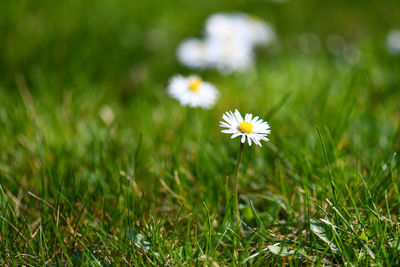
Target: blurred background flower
228,44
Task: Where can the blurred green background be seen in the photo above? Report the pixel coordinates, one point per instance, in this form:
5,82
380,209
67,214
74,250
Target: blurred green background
109,41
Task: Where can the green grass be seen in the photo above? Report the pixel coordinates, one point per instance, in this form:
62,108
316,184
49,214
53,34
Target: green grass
152,184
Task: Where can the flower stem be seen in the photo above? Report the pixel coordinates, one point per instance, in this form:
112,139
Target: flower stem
235,188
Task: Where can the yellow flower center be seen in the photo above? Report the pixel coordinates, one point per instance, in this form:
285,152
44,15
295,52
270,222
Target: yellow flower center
246,127
194,84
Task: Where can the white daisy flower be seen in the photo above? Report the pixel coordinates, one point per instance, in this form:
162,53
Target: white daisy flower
192,91
193,53
252,128
393,42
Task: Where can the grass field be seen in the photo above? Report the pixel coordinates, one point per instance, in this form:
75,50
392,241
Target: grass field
100,167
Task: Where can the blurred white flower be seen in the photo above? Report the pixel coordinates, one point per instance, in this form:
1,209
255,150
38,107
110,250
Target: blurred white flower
393,42
261,32
227,28
194,53
238,27
228,44
254,129
192,91
228,57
